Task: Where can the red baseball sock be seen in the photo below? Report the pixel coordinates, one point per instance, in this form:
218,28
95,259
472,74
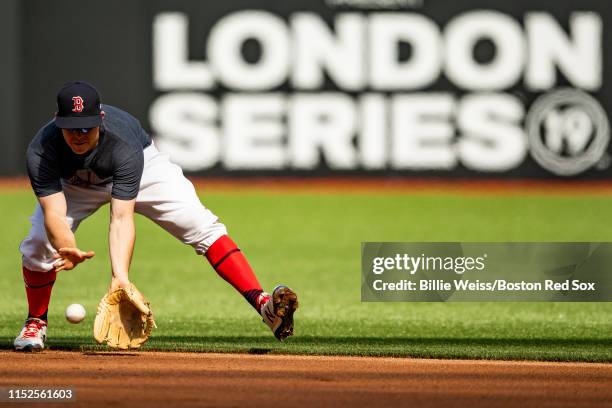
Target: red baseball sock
229,262
38,289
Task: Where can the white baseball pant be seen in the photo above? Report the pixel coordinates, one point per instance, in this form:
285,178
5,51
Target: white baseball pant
165,196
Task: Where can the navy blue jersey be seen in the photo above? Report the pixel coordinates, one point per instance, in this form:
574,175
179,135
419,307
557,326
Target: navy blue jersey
118,157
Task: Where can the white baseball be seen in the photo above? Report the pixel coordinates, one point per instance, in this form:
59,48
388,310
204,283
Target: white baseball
75,313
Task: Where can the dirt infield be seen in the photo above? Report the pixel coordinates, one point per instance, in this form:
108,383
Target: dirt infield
149,379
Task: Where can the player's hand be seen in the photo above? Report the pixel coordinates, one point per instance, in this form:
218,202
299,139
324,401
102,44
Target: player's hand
69,258
117,283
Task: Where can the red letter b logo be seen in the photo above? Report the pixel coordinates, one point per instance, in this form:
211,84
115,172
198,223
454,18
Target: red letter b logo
77,104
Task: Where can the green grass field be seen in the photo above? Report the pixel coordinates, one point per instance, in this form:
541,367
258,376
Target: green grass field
312,242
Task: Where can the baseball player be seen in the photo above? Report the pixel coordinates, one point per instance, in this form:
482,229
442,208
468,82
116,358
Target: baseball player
92,154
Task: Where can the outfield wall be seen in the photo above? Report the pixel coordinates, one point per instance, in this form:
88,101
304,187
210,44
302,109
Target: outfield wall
398,88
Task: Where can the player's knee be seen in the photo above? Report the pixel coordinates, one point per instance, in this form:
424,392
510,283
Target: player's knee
37,254
209,235
32,245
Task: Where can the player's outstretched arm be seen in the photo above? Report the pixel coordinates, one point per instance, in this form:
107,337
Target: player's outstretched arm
121,237
59,233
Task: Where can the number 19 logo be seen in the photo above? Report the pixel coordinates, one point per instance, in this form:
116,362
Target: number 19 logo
568,132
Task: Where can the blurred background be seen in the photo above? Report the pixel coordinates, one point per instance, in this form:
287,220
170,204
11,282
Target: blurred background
398,88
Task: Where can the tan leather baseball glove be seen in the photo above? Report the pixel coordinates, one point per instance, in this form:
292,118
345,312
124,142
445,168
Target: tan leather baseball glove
124,319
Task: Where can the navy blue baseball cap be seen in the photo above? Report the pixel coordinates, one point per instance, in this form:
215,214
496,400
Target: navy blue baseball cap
78,106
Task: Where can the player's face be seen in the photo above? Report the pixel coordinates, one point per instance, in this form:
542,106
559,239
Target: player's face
81,141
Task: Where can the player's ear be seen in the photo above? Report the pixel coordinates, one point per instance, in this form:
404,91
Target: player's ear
102,113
